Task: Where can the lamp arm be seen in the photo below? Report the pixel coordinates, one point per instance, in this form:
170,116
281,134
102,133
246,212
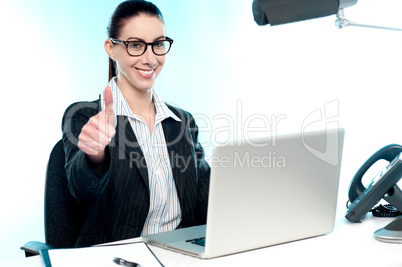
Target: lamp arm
342,22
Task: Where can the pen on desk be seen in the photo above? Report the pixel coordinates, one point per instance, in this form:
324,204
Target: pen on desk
121,261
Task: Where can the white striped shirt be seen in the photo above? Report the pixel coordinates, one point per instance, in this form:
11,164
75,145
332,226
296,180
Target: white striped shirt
164,211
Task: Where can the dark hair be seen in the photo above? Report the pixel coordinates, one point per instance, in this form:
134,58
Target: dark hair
125,11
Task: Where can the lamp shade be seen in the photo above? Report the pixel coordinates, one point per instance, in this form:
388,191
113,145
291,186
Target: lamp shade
275,12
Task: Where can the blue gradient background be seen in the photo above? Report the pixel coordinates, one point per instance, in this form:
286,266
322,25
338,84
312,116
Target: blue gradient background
222,65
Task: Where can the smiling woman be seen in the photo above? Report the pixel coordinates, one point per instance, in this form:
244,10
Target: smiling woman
135,59
130,118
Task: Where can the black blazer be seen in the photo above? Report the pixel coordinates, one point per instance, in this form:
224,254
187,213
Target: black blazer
119,199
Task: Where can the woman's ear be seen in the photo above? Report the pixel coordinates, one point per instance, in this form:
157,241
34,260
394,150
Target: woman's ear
109,49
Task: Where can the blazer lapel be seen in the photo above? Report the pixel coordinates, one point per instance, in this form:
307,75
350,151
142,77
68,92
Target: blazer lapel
172,131
129,148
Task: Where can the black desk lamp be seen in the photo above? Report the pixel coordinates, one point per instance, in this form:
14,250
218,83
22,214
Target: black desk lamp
276,12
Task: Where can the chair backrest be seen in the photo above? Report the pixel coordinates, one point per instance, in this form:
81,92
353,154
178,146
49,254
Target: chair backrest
64,216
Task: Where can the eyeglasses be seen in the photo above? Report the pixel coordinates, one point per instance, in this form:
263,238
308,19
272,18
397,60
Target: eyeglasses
137,48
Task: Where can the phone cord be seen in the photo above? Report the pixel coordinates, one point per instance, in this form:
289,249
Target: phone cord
384,211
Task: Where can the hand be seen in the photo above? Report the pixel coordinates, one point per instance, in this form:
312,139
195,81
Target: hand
98,131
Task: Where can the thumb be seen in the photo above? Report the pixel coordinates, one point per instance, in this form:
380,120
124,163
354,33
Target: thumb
108,98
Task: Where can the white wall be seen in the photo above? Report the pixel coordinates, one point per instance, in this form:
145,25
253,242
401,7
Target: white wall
221,65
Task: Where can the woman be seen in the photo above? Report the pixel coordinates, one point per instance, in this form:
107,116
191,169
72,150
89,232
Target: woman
133,159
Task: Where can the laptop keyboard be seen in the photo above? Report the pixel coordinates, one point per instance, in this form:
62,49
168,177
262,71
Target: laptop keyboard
197,241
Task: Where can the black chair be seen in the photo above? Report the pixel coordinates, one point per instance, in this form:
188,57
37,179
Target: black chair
64,216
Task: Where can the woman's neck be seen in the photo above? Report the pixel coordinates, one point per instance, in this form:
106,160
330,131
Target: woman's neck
139,101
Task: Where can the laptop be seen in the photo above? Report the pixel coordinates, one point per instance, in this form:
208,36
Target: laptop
263,192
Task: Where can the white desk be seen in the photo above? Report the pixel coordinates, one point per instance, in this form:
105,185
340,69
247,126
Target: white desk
350,244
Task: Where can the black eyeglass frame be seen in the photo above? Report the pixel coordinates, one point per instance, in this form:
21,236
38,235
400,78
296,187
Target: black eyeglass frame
126,43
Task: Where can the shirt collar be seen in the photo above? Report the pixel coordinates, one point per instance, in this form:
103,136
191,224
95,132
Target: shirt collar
122,108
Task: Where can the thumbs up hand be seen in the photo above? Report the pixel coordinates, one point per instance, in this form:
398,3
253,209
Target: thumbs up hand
98,131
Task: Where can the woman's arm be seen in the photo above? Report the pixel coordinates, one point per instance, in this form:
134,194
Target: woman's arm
203,170
84,181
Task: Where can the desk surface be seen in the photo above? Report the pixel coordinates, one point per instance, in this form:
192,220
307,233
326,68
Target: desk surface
349,244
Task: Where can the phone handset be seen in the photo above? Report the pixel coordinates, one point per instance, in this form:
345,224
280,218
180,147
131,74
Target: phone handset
362,198
388,153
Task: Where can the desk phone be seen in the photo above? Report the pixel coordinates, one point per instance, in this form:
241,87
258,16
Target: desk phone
362,199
